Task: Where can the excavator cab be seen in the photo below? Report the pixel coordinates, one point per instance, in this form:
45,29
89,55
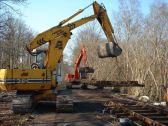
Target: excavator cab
38,61
84,71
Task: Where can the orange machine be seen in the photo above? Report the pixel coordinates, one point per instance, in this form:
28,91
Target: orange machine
166,95
71,77
79,73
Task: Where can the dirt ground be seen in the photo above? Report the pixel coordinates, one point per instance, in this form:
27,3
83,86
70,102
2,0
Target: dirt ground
88,104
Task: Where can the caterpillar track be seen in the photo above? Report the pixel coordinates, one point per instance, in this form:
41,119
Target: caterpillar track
23,103
64,104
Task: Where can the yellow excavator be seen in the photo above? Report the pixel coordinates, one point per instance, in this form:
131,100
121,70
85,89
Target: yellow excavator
40,82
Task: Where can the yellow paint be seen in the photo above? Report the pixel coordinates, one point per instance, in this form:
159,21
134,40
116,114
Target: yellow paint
26,74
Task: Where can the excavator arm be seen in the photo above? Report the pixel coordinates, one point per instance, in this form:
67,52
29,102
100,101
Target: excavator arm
78,61
58,36
57,39
104,21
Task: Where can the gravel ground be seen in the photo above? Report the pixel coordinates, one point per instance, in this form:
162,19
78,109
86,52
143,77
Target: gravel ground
88,104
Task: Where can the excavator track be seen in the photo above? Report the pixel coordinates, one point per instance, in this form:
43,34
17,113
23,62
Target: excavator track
64,102
23,103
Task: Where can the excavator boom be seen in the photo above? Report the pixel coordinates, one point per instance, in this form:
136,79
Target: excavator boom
58,36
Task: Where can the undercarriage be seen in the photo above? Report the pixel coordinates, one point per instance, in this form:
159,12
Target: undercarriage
25,102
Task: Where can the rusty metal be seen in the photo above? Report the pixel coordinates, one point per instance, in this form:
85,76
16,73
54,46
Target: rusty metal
146,113
118,84
101,84
111,83
110,120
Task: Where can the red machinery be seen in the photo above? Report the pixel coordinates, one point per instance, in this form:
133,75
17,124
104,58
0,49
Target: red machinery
71,77
79,73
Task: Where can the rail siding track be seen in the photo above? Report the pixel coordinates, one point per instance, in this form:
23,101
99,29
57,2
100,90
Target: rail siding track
117,106
137,111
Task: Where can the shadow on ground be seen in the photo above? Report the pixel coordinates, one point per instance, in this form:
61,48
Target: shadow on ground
79,107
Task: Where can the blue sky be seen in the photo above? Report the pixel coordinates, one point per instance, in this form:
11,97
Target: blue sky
43,14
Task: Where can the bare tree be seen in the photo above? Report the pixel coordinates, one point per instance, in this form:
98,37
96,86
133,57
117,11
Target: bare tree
145,48
14,34
144,42
156,35
7,5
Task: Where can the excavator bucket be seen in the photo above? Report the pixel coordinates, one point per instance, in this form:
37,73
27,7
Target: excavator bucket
110,49
105,50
